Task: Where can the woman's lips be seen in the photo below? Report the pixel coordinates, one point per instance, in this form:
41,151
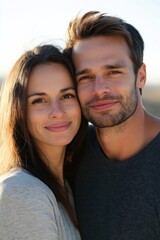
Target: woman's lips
58,127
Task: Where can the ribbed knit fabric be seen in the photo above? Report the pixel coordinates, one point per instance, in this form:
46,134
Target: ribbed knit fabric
29,210
119,200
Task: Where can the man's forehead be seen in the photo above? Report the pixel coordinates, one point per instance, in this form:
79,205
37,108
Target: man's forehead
100,50
97,41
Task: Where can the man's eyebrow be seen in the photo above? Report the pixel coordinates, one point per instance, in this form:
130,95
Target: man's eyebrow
43,93
108,66
84,71
112,66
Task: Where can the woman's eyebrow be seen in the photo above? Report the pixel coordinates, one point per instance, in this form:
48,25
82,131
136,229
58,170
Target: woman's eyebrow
43,93
66,89
36,94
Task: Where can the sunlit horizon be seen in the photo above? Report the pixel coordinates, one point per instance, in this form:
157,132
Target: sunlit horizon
25,24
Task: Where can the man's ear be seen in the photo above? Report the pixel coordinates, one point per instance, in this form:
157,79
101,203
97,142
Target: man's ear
141,76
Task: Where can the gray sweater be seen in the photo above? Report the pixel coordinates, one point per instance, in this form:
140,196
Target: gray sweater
29,210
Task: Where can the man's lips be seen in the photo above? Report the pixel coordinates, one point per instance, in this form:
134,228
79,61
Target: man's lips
103,104
58,127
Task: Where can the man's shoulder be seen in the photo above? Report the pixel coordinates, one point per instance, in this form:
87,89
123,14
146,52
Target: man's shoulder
154,127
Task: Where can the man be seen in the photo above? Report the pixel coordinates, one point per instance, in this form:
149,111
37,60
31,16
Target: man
118,181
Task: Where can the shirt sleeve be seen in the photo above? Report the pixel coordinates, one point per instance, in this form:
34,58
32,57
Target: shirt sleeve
28,211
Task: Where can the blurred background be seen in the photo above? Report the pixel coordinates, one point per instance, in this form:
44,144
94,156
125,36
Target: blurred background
25,24
151,99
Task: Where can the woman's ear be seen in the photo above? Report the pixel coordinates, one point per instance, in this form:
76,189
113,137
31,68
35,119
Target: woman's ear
141,76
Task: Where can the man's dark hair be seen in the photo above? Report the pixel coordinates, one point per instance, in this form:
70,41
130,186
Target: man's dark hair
94,23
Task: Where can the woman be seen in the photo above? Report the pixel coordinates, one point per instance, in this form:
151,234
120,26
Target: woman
41,129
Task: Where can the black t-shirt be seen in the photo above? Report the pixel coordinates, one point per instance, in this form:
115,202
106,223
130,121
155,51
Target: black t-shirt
119,200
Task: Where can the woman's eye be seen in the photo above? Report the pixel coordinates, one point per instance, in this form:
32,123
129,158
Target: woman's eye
39,100
67,96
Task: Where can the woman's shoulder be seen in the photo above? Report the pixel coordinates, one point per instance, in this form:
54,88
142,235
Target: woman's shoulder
24,201
20,183
19,177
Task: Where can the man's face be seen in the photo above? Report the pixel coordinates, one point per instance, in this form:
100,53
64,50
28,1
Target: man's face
106,81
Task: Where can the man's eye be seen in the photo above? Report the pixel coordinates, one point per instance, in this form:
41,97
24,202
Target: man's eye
39,100
87,77
114,72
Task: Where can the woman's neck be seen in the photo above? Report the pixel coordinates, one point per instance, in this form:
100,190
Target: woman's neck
54,158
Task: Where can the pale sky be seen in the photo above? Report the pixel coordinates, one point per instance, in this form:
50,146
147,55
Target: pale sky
27,23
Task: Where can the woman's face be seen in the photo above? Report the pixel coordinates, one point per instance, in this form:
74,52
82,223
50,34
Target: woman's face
53,111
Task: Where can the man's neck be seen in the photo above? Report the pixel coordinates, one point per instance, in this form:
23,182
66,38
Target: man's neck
127,139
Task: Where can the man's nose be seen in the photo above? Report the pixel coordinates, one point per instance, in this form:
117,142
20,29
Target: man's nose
101,86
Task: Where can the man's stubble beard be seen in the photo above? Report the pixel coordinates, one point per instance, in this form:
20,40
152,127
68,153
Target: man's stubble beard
109,118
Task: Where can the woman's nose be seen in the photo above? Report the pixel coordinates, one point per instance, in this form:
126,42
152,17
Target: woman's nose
56,110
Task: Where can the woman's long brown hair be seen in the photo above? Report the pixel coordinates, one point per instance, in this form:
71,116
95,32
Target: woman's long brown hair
17,148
